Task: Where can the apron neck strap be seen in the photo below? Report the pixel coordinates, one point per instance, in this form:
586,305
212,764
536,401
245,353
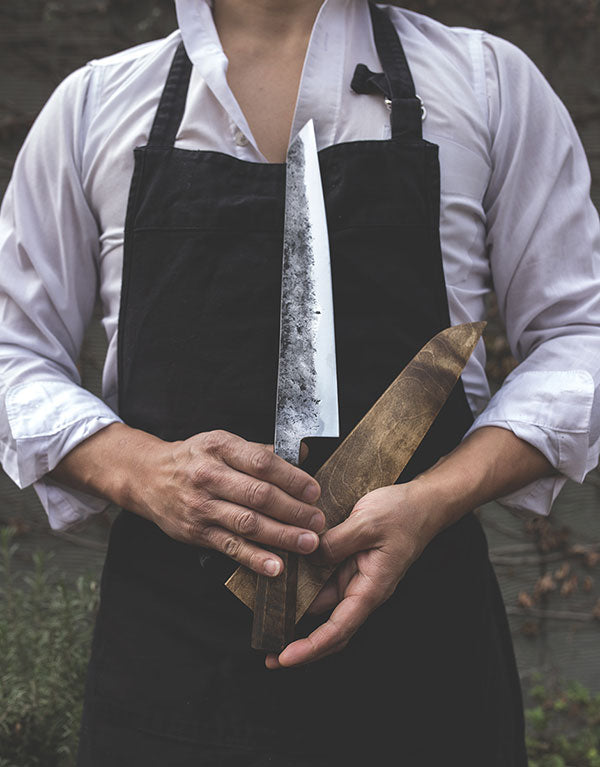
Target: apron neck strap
172,102
395,82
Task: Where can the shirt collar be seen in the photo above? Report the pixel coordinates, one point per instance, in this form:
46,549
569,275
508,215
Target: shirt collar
320,90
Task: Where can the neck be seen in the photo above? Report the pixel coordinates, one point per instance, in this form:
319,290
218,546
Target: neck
272,20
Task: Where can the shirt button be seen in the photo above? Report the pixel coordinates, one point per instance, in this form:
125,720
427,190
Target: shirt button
240,139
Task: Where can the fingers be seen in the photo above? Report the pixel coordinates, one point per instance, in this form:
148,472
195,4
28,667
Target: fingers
344,575
333,635
326,599
357,533
256,527
333,591
260,495
251,475
237,548
255,460
242,492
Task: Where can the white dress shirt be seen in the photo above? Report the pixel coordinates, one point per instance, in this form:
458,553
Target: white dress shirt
515,212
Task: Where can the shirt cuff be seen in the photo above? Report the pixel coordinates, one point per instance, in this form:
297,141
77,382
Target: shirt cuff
552,411
65,506
47,419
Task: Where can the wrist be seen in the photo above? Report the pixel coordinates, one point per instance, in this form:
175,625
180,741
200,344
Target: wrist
116,463
488,464
444,495
137,460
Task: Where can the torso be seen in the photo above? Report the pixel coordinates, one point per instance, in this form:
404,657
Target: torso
213,118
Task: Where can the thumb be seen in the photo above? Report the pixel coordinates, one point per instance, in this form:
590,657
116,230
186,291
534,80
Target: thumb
353,535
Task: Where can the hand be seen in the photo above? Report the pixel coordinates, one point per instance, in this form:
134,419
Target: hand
219,491
385,533
389,528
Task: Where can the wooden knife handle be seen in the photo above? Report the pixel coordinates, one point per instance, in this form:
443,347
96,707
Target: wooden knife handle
275,598
376,451
275,606
341,488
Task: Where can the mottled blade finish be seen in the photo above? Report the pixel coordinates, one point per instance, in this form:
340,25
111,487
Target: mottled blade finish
307,404
375,453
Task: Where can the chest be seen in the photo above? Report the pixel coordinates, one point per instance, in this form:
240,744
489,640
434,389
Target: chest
211,122
265,84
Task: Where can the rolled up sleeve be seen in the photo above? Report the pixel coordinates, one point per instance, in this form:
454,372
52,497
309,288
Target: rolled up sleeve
544,245
48,284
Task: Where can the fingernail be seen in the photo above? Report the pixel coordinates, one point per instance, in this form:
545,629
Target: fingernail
311,493
272,567
307,542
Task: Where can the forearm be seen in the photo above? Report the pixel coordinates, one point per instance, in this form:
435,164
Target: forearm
114,464
390,528
490,463
214,490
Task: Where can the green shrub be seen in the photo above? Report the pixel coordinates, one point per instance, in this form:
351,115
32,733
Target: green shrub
563,726
45,634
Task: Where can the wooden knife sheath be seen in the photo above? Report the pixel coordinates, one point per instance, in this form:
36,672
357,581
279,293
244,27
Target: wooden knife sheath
376,451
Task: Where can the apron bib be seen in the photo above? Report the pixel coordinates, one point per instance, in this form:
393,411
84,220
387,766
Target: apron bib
431,676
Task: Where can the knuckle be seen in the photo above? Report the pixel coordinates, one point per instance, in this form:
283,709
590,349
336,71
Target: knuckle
296,479
285,538
368,530
202,508
367,525
247,523
260,461
259,494
216,440
201,474
196,531
231,547
335,637
296,515
209,537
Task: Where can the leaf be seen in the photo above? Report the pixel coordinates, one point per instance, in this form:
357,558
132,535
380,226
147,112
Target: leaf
524,600
569,586
544,585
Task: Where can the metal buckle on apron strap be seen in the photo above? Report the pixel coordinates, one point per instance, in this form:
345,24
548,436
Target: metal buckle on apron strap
367,82
388,103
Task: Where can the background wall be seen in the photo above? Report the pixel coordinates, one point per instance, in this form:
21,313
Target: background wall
549,569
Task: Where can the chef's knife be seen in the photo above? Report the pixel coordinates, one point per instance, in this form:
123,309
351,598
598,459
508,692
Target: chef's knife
307,400
376,451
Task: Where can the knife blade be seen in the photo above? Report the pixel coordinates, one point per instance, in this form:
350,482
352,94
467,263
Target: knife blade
376,451
307,398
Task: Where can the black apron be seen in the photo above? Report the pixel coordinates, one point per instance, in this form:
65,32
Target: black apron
430,678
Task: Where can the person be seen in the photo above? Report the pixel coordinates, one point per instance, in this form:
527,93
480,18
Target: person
154,178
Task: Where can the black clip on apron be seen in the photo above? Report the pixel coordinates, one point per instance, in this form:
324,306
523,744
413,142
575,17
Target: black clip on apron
431,676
